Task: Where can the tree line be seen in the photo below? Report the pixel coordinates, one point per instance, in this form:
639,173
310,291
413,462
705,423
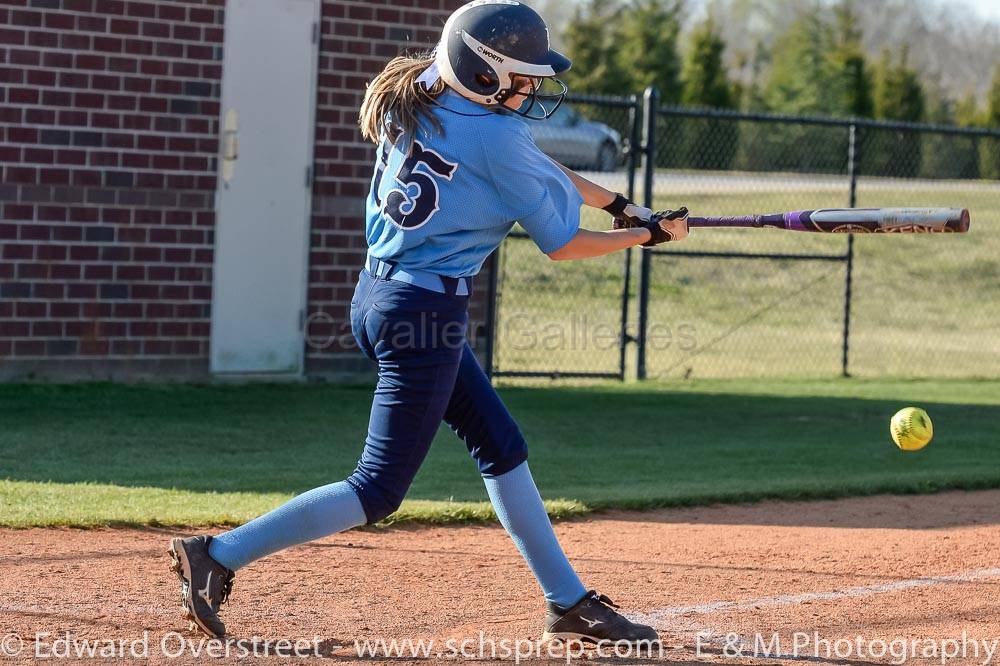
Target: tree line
818,67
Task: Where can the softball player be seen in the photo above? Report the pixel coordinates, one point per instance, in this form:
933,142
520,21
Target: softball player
456,167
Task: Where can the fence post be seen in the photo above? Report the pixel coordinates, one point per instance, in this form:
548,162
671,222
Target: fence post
634,139
650,106
852,173
491,311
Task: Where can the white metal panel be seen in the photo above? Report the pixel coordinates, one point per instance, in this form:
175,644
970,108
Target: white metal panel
264,198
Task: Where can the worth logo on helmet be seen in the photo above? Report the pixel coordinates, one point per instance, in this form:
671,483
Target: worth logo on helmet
490,54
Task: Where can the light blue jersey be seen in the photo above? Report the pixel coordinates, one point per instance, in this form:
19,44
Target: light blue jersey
450,202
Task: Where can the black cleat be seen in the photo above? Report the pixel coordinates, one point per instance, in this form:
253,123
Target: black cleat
594,620
205,584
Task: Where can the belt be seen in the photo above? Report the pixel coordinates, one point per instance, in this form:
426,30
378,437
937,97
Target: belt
423,279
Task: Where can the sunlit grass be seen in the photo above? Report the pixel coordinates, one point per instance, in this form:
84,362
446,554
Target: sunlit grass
179,455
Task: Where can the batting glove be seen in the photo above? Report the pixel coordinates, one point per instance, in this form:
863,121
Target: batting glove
627,214
666,226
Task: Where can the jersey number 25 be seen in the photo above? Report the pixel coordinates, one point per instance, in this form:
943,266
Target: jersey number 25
417,199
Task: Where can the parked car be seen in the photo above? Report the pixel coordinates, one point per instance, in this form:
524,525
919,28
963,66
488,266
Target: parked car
576,142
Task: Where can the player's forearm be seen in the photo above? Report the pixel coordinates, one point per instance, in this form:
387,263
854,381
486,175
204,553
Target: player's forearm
586,244
593,194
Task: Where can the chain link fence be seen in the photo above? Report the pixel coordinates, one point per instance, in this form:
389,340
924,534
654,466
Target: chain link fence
751,302
928,306
569,319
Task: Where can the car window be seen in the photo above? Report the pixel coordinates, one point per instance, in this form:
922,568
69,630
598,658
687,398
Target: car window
564,116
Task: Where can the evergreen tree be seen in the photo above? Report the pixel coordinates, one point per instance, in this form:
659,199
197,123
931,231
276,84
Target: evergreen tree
849,63
708,143
968,113
940,110
646,55
752,96
899,95
590,44
989,147
819,66
705,82
802,80
947,155
993,102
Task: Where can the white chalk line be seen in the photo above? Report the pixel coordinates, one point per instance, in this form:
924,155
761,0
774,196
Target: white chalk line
96,610
91,611
660,614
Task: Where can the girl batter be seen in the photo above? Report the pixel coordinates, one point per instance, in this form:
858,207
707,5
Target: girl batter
456,167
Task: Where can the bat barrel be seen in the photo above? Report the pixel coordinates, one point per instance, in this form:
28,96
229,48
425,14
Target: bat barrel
964,222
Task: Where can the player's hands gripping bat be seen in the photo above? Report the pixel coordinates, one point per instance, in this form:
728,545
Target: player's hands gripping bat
627,214
664,226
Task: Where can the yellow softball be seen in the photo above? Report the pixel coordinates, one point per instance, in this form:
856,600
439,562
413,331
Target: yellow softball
911,429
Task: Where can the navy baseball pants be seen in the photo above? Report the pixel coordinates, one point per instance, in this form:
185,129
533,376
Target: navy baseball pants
426,373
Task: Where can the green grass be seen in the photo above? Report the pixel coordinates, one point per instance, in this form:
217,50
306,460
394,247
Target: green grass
175,455
922,306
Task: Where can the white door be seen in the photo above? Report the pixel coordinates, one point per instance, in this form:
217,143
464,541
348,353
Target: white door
264,198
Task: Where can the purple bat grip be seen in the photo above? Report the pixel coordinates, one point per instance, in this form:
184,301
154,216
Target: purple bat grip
792,221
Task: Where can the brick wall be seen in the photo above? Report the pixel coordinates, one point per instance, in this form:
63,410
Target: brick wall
359,37
109,126
108,136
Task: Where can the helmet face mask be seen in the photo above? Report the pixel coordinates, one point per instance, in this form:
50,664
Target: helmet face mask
542,100
490,46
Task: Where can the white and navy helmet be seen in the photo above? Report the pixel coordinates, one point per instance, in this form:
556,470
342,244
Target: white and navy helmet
486,42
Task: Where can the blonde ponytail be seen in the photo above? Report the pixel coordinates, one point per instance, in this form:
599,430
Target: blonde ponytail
394,100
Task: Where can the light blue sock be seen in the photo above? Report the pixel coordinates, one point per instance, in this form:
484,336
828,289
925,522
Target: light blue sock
313,514
519,507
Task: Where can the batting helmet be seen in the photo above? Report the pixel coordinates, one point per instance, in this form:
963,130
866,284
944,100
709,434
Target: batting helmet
488,42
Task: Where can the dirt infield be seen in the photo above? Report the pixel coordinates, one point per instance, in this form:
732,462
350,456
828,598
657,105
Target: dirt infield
917,568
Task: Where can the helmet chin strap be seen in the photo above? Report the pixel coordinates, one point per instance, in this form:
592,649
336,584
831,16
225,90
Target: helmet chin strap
432,74
430,78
